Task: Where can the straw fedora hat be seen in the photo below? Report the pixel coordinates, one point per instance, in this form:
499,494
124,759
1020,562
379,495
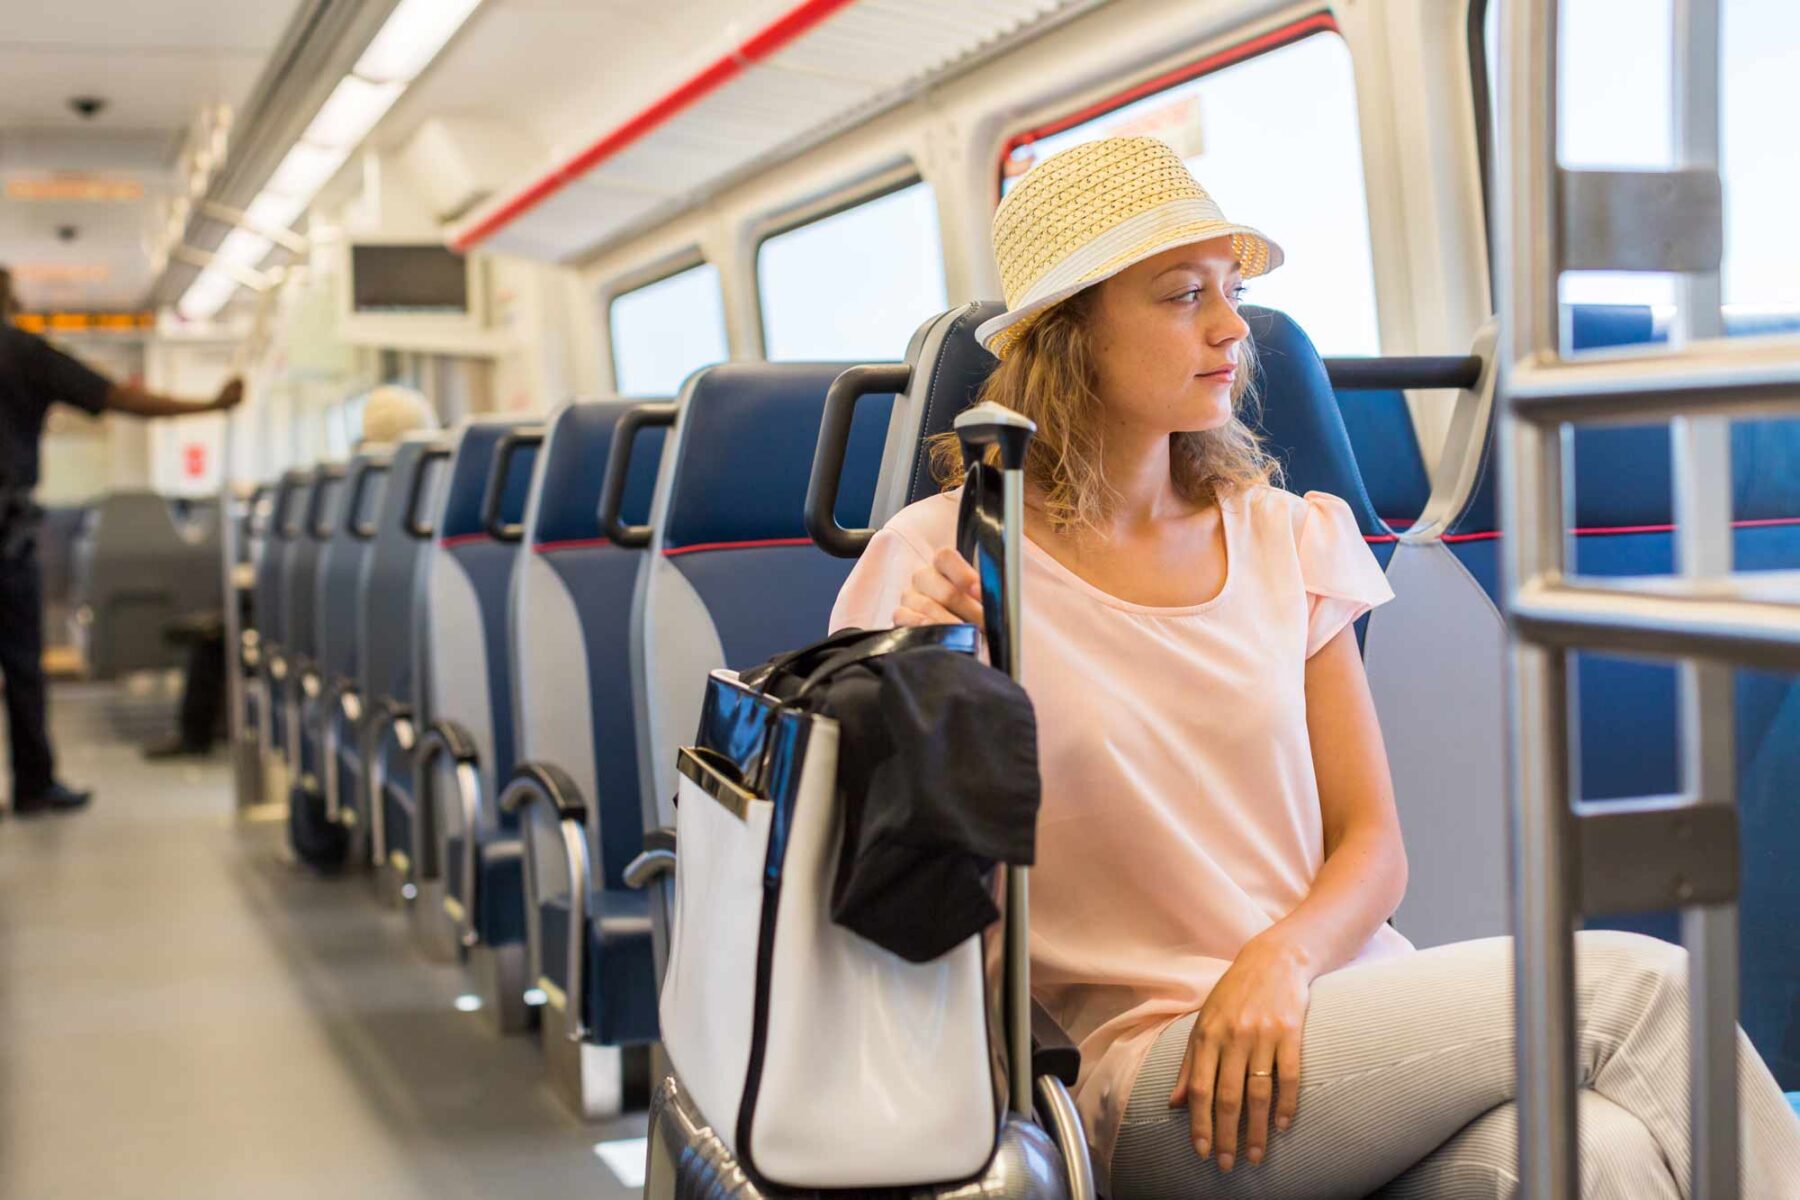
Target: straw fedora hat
1086,214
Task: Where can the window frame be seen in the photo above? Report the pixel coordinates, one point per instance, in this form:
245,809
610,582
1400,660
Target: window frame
865,188
1143,85
687,258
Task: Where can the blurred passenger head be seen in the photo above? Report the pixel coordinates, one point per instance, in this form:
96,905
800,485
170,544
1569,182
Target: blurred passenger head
1122,282
393,411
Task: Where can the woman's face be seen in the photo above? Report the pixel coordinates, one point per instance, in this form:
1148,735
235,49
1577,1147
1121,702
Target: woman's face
1165,336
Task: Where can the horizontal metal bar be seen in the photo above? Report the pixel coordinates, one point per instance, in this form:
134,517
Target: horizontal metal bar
1749,618
1410,371
1655,854
1717,376
1643,220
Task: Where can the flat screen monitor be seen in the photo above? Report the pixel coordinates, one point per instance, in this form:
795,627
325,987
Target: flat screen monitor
408,279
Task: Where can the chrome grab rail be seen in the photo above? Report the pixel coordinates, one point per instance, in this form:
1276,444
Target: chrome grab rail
1571,859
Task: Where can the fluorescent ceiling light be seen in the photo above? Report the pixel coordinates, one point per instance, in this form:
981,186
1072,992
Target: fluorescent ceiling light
305,170
244,248
350,112
275,212
207,295
415,31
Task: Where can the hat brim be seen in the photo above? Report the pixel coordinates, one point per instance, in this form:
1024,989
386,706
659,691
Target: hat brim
1101,261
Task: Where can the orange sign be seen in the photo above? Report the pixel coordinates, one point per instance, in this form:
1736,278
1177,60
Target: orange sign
75,322
104,188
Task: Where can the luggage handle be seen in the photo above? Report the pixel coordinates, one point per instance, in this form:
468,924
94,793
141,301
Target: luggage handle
990,533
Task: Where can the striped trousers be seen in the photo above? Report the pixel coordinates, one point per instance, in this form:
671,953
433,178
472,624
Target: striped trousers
1407,1088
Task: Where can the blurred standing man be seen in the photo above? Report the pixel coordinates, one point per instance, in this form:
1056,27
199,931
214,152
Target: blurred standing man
33,376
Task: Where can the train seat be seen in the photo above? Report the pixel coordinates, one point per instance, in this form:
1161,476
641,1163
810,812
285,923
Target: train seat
1386,443
466,854
389,679
301,624
334,705
587,934
139,561
732,578
293,496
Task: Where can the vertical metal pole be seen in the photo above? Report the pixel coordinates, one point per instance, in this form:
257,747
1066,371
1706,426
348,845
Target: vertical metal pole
1528,190
1703,477
1018,883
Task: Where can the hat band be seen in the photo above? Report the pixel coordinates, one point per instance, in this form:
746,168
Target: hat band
1133,231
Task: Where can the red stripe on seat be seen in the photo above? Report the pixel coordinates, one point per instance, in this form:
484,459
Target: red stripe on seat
462,539
570,544
698,547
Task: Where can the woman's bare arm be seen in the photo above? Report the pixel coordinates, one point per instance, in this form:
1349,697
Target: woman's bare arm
1364,874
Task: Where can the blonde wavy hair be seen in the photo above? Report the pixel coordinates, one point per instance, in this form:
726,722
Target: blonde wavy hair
1050,376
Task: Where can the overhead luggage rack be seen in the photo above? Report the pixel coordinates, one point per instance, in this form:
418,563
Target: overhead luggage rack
1655,853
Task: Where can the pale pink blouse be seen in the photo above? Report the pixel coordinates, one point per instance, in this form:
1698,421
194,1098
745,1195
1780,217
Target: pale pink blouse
1180,806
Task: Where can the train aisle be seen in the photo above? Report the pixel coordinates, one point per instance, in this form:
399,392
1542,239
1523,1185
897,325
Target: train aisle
184,1014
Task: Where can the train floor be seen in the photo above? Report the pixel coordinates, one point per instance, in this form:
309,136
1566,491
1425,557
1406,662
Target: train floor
185,1013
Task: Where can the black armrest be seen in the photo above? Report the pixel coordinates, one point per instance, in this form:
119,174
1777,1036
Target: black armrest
363,531
1404,371
658,858
389,709
534,780
458,742
1052,1051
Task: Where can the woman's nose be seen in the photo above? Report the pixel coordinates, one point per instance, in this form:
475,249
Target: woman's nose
1226,325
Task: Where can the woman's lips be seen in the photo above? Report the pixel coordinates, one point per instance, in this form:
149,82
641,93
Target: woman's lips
1222,375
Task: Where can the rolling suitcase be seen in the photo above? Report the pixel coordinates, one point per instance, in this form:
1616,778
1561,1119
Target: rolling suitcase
805,1059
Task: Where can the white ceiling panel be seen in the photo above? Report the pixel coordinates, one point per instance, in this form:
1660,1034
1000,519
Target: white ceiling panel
865,57
157,64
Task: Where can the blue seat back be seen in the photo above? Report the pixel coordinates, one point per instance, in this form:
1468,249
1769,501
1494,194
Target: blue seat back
571,627
288,507
468,580
732,577
305,552
338,597
389,623
1386,442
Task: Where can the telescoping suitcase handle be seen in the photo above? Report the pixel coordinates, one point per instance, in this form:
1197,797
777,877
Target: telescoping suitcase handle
990,533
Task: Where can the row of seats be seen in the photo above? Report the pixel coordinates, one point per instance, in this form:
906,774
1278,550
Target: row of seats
133,563
490,712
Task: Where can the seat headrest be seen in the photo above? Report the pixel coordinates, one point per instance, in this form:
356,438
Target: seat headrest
1300,421
949,367
572,469
743,455
471,462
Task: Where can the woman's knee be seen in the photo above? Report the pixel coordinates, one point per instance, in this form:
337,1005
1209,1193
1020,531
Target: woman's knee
1635,954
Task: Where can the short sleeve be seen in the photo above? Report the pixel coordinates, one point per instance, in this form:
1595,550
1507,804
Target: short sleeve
61,377
869,596
1343,580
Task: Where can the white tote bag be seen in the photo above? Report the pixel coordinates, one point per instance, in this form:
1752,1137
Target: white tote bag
821,1059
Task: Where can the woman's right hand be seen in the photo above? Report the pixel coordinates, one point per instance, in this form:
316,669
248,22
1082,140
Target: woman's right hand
945,591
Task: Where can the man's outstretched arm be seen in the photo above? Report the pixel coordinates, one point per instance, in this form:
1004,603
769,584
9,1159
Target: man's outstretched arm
130,398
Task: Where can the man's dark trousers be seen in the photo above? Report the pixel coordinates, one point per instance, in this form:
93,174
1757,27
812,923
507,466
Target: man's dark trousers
22,665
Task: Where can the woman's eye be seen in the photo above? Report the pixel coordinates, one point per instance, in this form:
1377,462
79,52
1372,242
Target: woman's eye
1237,293
1190,294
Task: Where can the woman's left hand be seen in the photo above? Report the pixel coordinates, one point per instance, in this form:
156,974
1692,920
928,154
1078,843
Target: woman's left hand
1246,1036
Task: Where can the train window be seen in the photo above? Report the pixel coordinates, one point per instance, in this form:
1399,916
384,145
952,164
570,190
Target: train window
1616,101
664,331
1260,133
854,284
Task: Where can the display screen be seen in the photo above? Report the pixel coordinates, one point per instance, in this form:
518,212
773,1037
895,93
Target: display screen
401,279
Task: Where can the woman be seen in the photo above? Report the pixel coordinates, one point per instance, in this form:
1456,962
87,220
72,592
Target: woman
1218,849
